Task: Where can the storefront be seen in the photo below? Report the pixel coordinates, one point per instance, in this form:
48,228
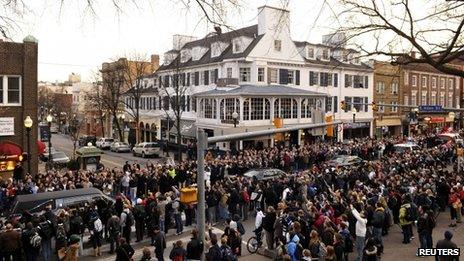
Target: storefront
388,127
356,130
10,156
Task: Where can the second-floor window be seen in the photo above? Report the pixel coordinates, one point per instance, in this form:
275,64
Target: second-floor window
450,83
380,87
313,78
414,81
434,82
10,90
229,72
245,74
394,109
442,83
273,75
424,81
325,54
394,88
311,53
260,74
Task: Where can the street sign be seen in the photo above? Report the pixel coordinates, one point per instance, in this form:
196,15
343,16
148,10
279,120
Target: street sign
430,108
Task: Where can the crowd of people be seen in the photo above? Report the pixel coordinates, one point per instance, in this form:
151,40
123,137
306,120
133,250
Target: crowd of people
318,210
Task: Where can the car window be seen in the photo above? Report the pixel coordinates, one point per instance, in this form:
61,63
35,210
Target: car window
151,145
59,155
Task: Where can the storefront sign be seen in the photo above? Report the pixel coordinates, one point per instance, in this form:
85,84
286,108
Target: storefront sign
356,125
430,108
7,126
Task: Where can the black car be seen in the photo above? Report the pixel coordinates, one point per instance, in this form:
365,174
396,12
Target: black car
84,140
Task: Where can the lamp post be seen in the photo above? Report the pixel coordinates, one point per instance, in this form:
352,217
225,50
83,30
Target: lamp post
235,118
28,125
452,115
50,157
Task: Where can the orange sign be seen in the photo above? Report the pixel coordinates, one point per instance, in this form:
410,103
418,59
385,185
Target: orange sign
330,128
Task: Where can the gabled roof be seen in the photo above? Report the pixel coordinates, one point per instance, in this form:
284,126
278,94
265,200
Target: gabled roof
262,90
334,63
251,32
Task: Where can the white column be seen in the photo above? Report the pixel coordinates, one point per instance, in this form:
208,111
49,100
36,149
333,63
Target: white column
299,110
272,108
272,141
240,145
241,108
371,129
299,137
218,110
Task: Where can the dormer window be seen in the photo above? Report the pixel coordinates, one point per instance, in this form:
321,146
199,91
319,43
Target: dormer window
325,54
278,45
185,55
198,52
217,48
310,53
237,46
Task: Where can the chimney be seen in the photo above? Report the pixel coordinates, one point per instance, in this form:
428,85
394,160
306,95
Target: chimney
155,61
273,19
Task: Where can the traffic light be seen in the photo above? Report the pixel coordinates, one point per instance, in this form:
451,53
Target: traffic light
343,105
374,107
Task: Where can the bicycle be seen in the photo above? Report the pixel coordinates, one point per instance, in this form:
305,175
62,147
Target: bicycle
254,242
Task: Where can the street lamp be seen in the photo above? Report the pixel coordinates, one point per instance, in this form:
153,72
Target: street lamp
50,157
28,125
235,118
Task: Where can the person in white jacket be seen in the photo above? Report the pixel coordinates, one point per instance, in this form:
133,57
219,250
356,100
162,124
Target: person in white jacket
360,232
259,224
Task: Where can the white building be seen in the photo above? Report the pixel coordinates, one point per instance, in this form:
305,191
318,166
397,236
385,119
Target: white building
262,74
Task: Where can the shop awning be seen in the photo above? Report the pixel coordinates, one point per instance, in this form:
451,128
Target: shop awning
9,148
388,122
187,129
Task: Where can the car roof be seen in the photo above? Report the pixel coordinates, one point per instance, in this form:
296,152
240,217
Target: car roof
57,194
405,145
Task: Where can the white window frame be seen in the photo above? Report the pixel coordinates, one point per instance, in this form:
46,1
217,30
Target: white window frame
413,99
434,82
6,102
442,99
434,99
406,99
414,81
394,109
423,98
274,73
450,100
406,78
261,74
380,87
423,81
244,71
229,72
442,83
450,83
313,52
328,54
394,88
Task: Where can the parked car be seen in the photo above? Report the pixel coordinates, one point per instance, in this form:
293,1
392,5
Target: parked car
35,203
104,143
264,174
58,157
54,129
120,147
146,149
344,160
406,147
450,136
86,139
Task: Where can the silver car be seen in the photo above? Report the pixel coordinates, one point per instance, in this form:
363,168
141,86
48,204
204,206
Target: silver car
59,157
146,149
120,147
264,174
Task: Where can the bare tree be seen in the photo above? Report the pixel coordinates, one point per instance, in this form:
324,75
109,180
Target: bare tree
74,128
399,29
134,77
174,101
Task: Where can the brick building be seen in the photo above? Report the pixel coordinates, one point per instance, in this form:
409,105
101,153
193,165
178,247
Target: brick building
122,74
18,99
388,89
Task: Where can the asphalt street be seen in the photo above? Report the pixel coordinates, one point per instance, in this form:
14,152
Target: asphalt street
109,159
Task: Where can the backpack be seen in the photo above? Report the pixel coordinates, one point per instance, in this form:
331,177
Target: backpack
60,234
315,250
139,213
245,197
35,240
129,219
240,228
46,230
227,254
411,213
348,243
76,224
431,220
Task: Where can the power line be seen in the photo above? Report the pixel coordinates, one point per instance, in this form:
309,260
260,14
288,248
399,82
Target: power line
67,64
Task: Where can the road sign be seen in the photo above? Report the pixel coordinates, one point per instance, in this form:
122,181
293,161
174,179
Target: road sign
430,108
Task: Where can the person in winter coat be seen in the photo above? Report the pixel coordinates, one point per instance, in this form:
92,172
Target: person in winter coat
126,221
446,243
124,252
370,251
72,252
11,244
214,252
139,217
425,225
292,248
30,251
114,232
194,247
268,226
178,252
146,254
406,225
378,220
159,243
96,230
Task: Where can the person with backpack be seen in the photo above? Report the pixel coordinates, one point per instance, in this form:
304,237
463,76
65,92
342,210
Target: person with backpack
114,232
31,242
126,221
294,249
124,252
139,216
348,244
61,240
177,213
178,252
245,203
46,233
96,230
316,247
406,218
226,251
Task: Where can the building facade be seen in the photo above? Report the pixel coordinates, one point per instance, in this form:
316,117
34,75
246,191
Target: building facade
214,74
18,99
388,89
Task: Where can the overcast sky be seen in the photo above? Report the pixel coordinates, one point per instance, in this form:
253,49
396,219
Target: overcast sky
72,40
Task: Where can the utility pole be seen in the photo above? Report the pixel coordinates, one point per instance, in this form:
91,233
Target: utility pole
201,147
